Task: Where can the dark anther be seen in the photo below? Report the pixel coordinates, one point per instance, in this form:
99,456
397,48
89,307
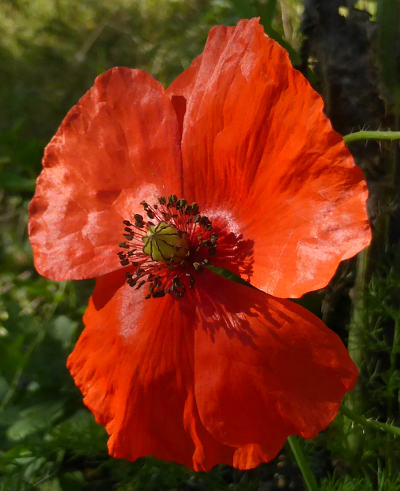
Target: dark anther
129,230
205,223
138,221
194,209
140,284
177,288
132,282
191,279
124,262
180,293
158,293
162,200
144,204
127,223
197,218
124,245
172,199
213,239
128,237
176,281
181,204
150,214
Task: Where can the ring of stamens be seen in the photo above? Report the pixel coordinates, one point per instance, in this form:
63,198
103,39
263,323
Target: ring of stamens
166,246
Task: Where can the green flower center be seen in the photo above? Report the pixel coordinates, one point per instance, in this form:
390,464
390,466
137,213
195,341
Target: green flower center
166,244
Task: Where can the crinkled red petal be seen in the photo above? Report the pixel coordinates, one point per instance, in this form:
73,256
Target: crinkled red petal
134,366
117,146
265,368
256,144
222,375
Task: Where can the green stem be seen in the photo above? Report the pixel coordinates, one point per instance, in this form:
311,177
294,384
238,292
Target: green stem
369,423
396,341
372,135
308,476
356,399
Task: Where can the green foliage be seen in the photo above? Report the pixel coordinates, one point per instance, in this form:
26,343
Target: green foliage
53,50
386,481
364,445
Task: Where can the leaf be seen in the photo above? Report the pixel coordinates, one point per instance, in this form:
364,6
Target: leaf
14,182
80,434
64,330
33,419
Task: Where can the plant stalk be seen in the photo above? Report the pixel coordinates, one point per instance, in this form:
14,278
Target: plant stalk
369,423
308,476
372,135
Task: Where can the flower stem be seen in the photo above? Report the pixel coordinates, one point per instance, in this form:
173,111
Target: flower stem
308,476
369,423
372,135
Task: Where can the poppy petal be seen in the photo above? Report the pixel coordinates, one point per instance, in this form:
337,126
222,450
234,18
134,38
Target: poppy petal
257,145
117,146
276,370
208,451
134,365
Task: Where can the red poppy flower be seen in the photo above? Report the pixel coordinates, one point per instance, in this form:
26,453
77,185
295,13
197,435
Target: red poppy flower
174,361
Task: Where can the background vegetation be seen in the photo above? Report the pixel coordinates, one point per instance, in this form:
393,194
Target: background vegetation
51,51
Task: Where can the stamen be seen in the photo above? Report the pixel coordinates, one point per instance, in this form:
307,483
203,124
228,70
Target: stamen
167,251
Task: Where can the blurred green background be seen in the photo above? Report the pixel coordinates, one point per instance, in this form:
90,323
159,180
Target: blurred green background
50,52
